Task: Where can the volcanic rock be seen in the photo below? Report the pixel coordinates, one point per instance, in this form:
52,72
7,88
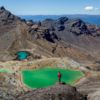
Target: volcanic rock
57,92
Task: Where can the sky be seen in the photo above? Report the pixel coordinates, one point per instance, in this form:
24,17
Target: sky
52,7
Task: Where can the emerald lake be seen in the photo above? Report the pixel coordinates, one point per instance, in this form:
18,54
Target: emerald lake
45,77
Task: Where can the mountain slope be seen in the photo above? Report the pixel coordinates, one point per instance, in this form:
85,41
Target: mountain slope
49,38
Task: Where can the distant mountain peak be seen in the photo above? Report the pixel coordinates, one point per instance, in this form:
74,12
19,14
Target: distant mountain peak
6,17
2,8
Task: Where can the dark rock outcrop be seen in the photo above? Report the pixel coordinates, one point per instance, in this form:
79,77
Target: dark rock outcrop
51,37
79,27
57,92
62,20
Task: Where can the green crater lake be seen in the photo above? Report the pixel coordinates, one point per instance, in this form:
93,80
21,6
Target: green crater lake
45,77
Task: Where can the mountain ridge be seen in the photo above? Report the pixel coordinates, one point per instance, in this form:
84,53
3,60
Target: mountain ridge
91,19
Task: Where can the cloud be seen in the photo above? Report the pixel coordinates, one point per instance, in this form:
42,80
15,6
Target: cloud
89,8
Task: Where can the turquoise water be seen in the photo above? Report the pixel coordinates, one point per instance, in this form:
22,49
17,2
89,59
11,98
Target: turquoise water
22,55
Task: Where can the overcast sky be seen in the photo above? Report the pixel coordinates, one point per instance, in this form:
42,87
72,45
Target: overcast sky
51,7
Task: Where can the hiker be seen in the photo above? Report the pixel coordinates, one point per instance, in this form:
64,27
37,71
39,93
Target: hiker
59,77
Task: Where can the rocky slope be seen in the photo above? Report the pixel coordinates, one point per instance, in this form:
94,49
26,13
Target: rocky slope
9,86
90,87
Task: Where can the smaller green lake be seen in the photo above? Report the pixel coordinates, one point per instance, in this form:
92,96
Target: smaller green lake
21,55
45,77
4,70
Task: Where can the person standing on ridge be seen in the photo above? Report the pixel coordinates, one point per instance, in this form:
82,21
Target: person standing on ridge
59,77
